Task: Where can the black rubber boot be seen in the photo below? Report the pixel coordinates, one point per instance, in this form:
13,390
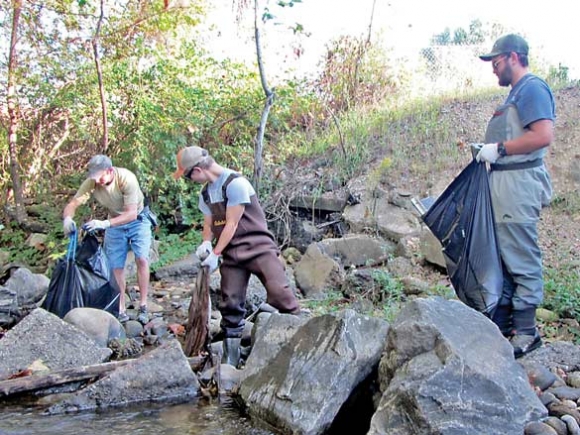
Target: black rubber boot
526,336
523,343
503,319
231,354
525,321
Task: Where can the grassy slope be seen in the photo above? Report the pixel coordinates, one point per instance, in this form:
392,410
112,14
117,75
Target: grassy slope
417,150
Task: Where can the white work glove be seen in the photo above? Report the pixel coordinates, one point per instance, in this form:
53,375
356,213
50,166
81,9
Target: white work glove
95,225
68,226
488,153
212,262
203,250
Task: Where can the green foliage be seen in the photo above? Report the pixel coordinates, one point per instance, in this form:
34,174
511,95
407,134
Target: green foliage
475,35
173,247
558,77
444,291
567,202
389,292
383,298
164,92
562,290
355,73
380,174
331,302
14,239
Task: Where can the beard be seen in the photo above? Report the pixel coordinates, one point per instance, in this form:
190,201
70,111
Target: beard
505,78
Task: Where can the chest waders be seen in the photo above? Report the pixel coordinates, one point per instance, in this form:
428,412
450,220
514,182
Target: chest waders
252,250
520,186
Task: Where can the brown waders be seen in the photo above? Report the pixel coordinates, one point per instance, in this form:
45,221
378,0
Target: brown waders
252,250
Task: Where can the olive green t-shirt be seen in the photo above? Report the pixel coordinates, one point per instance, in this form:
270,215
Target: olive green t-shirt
123,190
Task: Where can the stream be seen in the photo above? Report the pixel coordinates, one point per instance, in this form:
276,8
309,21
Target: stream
198,417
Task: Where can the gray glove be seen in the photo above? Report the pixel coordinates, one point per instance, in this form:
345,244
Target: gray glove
203,250
96,224
212,262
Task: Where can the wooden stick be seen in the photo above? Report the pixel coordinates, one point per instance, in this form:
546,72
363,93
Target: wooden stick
60,377
197,329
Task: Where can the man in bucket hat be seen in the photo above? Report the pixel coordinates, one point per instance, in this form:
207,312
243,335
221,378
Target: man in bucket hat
517,139
127,227
234,218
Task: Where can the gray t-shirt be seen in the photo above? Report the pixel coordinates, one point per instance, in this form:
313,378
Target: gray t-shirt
534,100
238,191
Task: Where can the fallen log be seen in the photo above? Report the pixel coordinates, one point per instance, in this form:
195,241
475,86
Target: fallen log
36,382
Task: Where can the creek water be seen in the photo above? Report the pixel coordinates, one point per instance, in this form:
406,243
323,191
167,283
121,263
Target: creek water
194,418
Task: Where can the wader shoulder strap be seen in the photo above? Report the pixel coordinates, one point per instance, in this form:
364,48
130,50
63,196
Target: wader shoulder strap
231,178
205,193
516,94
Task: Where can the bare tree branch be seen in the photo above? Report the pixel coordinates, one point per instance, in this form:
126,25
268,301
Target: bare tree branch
259,139
95,44
13,115
371,22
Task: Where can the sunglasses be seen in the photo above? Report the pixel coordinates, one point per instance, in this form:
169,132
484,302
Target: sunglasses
497,62
187,173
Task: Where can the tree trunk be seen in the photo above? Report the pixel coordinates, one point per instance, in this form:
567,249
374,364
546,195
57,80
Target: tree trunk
12,102
259,140
95,44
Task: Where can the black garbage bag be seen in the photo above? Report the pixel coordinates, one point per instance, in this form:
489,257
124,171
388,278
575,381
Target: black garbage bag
462,219
82,279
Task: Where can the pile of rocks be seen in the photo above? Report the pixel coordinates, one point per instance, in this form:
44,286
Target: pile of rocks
554,372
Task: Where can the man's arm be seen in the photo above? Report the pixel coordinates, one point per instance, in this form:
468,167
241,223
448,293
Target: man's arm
129,215
81,197
539,135
233,216
71,207
207,234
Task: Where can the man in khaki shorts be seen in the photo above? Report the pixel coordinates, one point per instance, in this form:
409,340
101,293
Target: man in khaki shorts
128,225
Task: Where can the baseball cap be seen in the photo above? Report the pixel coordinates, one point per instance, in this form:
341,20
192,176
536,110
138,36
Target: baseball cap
507,44
188,158
98,164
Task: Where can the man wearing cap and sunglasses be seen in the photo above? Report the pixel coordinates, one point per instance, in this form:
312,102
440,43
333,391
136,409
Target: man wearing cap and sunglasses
517,138
234,218
128,225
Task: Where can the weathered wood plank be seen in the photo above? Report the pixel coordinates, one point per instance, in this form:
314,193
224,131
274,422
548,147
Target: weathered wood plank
36,382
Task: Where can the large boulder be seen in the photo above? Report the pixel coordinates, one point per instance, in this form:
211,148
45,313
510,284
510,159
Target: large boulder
448,370
307,380
44,337
269,334
358,250
162,375
9,311
184,269
21,294
100,325
379,216
317,272
431,248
